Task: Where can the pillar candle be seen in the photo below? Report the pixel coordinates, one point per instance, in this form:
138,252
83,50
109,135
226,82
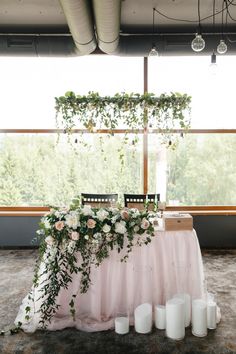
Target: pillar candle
199,318
175,324
187,307
143,318
160,316
211,315
121,325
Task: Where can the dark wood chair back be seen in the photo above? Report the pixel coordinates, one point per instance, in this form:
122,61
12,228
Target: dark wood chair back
99,200
138,201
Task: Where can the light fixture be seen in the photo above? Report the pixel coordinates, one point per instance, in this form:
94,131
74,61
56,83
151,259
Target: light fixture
198,43
153,52
222,47
213,58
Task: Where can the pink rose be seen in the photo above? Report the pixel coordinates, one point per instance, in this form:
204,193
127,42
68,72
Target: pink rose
59,225
124,214
91,223
145,224
74,235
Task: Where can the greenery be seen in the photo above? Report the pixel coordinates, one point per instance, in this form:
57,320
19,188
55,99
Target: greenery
34,170
131,111
71,240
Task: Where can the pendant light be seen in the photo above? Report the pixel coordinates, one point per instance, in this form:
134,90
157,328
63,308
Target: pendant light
198,43
222,46
153,52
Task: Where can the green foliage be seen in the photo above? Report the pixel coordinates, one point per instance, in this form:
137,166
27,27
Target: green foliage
92,233
132,111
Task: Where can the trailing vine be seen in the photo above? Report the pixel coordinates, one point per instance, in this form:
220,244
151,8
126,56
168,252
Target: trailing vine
72,240
124,111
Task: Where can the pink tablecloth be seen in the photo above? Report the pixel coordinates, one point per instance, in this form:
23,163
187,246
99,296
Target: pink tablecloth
171,264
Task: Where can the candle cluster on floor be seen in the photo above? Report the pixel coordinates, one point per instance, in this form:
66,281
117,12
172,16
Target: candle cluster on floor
178,313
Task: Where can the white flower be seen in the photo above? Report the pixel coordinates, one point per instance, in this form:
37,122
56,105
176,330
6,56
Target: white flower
57,214
114,210
72,220
86,237
114,218
136,228
135,212
120,227
49,240
86,210
71,246
97,235
102,214
47,224
106,228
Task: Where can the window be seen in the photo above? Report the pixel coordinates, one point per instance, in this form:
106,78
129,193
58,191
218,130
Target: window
35,170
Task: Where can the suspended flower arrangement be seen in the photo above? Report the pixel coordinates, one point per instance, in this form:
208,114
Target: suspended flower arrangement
131,112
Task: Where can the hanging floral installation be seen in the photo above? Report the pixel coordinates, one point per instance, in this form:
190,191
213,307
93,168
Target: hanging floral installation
133,112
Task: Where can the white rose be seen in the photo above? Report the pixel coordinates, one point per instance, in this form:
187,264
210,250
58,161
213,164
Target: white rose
106,228
49,240
72,220
86,210
120,227
102,214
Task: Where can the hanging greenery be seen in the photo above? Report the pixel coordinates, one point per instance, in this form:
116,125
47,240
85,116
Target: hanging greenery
123,111
75,239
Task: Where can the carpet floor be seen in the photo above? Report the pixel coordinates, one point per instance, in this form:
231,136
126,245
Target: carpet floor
16,271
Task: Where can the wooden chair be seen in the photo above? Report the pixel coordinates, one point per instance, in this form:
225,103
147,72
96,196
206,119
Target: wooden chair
138,201
99,200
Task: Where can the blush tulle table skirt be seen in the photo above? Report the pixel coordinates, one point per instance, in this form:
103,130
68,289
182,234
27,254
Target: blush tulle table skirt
170,264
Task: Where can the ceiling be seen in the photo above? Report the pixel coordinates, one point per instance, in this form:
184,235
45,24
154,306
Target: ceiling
81,27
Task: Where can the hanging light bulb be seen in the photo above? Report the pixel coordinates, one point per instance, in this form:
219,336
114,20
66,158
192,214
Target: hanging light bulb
222,47
198,43
153,52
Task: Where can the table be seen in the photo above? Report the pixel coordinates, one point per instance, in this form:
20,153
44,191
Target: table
170,264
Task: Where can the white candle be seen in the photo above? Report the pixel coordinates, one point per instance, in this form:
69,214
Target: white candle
143,318
160,317
121,325
187,307
211,315
175,324
199,318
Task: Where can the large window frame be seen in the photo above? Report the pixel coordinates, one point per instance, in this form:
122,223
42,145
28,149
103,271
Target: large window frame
198,210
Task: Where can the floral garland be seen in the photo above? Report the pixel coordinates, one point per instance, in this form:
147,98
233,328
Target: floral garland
90,232
131,111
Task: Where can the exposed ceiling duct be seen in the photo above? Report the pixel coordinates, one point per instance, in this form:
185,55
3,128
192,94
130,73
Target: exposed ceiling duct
107,19
79,17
